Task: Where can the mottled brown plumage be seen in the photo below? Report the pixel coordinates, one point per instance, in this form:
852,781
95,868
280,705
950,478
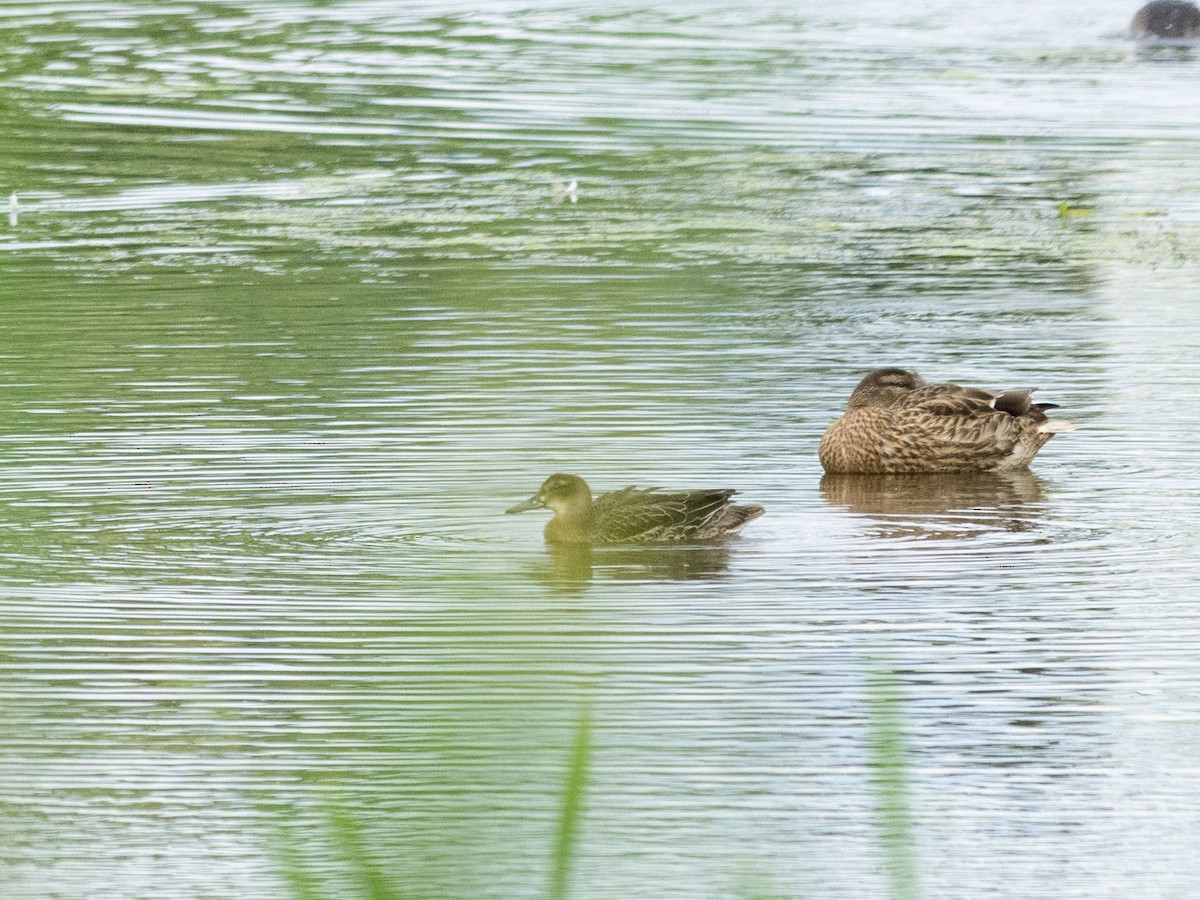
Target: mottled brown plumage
633,516
895,423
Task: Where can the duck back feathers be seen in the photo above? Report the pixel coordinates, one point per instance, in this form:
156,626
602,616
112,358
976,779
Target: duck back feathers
634,515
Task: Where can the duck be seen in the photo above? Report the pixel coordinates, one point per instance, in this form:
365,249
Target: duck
636,515
1172,19
896,423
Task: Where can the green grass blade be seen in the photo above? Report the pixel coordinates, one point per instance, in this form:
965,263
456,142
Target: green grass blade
890,767
572,804
349,838
301,884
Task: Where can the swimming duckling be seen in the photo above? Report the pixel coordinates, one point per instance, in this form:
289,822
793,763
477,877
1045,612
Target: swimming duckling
636,516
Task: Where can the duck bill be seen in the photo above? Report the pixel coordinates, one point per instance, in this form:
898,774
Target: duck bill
533,502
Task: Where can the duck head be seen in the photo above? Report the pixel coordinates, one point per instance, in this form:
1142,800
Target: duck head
884,387
560,493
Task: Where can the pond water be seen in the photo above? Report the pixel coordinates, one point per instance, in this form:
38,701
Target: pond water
297,299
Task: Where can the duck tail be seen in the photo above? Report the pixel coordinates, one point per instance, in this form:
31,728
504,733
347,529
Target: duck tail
738,517
1054,426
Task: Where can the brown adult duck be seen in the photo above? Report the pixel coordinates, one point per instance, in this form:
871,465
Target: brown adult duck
636,516
895,423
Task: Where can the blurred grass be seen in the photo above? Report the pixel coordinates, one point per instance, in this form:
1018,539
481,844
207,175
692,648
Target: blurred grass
368,879
365,877
295,873
572,804
889,767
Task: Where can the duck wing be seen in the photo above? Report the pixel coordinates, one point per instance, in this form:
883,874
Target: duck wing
639,516
958,427
1015,402
1019,402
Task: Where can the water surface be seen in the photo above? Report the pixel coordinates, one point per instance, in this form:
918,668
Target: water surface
297,300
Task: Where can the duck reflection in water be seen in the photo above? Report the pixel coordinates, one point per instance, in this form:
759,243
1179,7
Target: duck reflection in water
939,506
571,567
